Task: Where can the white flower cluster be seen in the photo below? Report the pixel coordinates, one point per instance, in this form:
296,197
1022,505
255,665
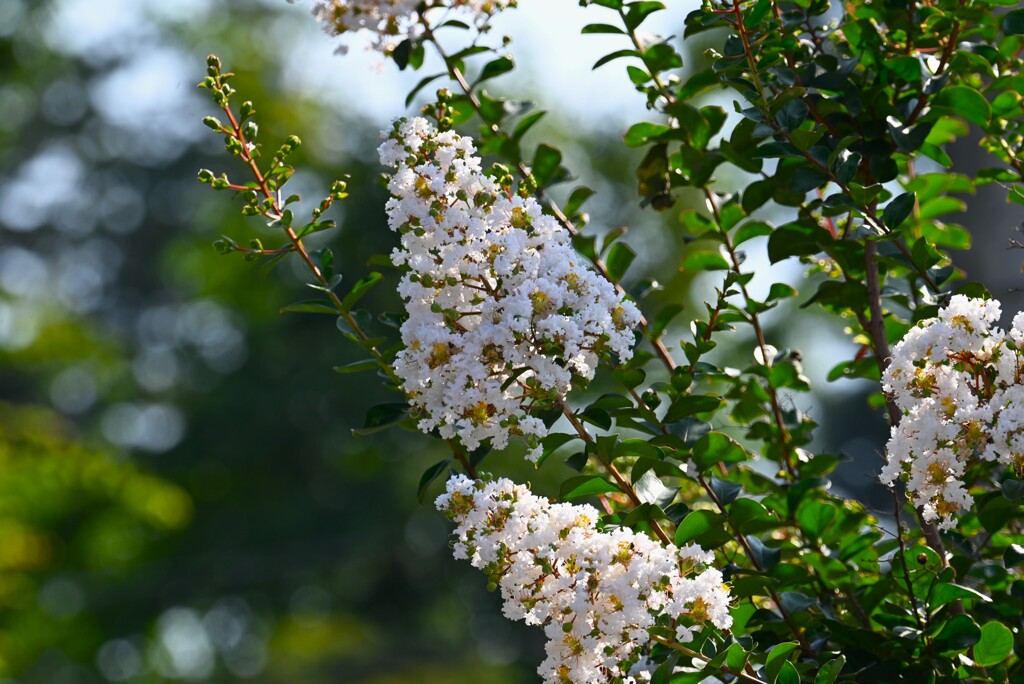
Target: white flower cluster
596,593
958,381
395,20
503,314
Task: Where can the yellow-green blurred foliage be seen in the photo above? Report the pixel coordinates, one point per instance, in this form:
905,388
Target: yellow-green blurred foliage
70,517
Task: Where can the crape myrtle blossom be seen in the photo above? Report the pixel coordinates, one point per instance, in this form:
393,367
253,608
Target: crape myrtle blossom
958,381
503,313
596,593
396,20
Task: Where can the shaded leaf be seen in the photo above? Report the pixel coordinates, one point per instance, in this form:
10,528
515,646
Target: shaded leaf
585,485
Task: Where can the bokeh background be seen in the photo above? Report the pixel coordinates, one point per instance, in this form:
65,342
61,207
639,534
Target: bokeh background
181,495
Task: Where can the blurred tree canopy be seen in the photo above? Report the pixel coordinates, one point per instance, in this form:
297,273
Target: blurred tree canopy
181,497
200,510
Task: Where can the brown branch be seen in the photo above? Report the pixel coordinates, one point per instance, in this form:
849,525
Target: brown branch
620,480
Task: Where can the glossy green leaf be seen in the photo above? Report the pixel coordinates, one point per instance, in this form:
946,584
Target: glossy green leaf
963,101
702,260
1013,22
494,68
615,55
546,162
697,523
898,210
583,486
788,674
429,475
994,646
619,258
777,657
716,447
360,289
690,405
602,28
310,306
830,671
640,134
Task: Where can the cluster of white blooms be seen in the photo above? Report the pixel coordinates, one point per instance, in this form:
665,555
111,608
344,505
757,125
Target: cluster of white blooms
958,381
393,21
503,314
595,593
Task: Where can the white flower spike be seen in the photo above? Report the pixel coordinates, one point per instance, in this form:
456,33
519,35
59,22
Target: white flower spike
503,313
959,381
595,593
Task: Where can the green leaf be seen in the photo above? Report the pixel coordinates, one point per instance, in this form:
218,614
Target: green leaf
552,442
546,162
620,256
705,260
796,239
795,602
653,178
525,124
310,306
585,485
725,490
781,291
806,179
898,210
995,645
788,674
697,523
429,475
357,366
576,199
691,404
630,377
766,557
907,68
360,289
1013,489
758,12
638,11
777,657
636,447
663,318
814,517
750,230
735,657
830,670
601,28
650,489
494,68
424,82
613,56
699,82
381,417
716,447
959,634
946,592
401,54
641,133
965,102
1013,22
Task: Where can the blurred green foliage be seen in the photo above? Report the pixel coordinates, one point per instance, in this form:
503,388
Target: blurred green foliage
201,511
71,519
